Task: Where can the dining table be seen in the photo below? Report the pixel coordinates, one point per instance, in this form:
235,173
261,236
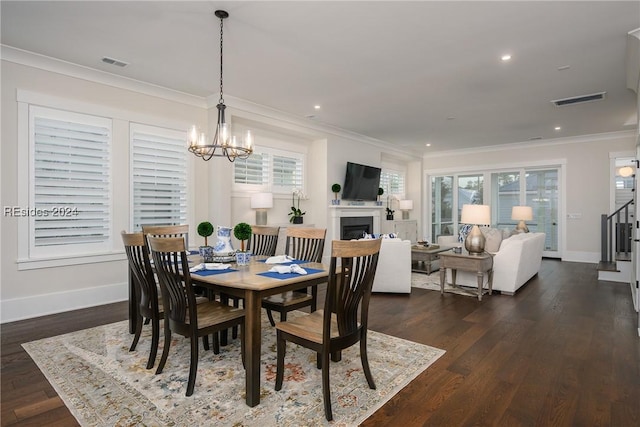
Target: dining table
253,282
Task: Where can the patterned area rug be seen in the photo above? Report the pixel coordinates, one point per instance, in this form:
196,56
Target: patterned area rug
103,384
432,283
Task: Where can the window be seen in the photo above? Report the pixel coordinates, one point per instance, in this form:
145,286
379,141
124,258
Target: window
70,186
392,181
269,169
159,176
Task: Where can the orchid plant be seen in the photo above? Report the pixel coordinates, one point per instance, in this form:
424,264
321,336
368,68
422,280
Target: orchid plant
296,196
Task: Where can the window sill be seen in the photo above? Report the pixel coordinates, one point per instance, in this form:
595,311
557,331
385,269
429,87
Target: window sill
32,264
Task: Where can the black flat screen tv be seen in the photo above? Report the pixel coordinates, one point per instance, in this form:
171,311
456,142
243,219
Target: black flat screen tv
361,182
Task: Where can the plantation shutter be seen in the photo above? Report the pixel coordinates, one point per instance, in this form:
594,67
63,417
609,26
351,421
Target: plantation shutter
287,173
70,179
253,170
392,182
159,174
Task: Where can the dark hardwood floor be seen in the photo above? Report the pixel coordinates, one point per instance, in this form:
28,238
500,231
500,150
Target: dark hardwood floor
564,351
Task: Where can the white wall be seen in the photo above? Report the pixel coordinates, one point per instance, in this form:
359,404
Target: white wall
586,161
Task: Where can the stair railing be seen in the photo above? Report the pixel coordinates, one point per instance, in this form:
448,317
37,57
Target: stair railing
616,233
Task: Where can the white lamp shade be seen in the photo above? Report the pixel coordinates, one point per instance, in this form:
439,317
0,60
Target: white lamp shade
625,171
262,201
405,205
522,213
476,214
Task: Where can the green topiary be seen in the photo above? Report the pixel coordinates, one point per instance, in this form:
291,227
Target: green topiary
380,191
205,229
242,232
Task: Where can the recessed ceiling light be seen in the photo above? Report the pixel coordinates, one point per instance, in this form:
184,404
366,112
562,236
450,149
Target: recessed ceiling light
564,67
451,118
112,61
557,128
505,57
427,144
317,107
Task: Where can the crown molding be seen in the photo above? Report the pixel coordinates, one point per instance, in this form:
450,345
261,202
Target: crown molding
47,63
529,144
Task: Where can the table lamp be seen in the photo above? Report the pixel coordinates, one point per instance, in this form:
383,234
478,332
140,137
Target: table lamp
261,202
475,215
522,214
405,206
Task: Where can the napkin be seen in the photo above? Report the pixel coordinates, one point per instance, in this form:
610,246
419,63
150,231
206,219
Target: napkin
284,269
278,259
209,266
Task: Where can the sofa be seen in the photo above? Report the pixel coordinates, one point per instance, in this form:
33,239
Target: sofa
516,259
394,267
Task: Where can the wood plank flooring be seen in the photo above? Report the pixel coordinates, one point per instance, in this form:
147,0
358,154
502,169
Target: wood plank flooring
564,351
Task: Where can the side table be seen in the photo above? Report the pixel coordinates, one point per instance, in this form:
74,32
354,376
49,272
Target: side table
480,264
425,255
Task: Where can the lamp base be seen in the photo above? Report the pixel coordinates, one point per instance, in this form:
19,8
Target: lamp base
522,227
261,217
405,214
474,243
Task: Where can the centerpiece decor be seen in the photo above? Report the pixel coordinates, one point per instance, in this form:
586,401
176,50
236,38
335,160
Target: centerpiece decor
223,250
296,213
242,232
380,193
335,188
205,229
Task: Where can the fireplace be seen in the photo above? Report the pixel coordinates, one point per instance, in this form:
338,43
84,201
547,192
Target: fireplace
354,227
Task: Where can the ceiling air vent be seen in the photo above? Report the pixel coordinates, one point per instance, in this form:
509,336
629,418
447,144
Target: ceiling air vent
115,62
579,99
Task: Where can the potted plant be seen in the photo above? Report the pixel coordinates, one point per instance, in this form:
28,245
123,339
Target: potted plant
380,193
242,232
296,213
390,214
205,229
335,188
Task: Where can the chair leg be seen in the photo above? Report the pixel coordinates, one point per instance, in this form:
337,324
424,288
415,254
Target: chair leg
365,361
283,316
314,298
155,337
270,316
242,351
281,348
165,348
205,342
147,320
193,365
326,392
234,330
136,337
216,343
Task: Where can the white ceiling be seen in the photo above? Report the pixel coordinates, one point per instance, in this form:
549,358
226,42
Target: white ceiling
407,73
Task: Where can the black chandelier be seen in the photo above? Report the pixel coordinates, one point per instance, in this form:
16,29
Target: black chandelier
224,144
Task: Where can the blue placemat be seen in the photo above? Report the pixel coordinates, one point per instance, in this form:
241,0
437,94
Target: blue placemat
274,275
194,252
294,261
212,272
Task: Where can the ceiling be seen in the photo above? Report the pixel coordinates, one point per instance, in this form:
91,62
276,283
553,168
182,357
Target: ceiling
406,73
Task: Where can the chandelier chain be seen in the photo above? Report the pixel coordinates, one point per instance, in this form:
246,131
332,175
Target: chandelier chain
221,101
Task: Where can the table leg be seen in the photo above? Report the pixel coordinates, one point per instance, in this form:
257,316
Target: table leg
443,277
480,277
252,346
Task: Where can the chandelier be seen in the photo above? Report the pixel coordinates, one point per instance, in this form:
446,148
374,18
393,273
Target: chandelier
224,144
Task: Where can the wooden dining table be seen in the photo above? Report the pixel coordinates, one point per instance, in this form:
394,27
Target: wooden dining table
246,282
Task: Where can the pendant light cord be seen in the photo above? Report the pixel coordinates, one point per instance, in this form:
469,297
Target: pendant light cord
221,100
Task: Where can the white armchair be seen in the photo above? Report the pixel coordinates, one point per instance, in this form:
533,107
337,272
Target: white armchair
394,267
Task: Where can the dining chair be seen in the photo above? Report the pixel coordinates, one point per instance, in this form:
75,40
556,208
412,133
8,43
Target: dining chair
264,240
181,230
304,244
148,303
182,315
343,321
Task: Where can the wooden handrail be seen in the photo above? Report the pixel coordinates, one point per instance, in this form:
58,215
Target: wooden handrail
622,234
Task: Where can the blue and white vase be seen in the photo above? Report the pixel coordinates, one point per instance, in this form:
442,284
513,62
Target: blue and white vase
223,245
243,258
206,252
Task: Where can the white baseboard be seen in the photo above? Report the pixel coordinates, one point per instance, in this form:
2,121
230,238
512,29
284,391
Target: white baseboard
577,256
42,305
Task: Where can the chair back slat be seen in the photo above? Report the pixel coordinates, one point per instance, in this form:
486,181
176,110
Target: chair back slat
264,240
305,243
168,231
170,259
142,274
349,291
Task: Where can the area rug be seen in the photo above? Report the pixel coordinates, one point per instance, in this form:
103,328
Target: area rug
103,384
432,283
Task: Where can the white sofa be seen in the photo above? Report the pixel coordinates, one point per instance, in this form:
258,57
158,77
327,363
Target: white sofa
394,267
517,260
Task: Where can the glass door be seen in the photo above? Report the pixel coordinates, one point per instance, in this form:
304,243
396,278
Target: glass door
442,223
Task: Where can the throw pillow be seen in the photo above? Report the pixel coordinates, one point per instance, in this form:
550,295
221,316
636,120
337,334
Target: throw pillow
464,230
493,238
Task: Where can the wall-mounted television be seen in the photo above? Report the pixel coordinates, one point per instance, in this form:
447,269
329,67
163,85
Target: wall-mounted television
361,182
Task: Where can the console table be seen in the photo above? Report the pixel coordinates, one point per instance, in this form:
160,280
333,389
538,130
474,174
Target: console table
480,264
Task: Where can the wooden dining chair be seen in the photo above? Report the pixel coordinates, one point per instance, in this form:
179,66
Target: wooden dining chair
305,244
148,304
181,230
343,321
264,240
182,315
